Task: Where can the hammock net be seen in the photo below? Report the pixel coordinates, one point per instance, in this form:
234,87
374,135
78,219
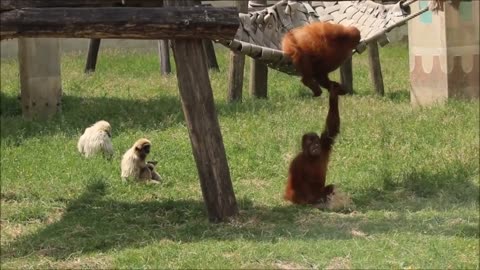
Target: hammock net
260,33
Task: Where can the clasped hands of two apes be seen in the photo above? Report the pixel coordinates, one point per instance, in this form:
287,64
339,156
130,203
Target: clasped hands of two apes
315,50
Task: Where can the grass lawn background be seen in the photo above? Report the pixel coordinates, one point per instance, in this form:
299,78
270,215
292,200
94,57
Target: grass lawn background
413,174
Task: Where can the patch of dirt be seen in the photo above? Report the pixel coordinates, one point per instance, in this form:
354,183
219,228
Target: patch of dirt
339,263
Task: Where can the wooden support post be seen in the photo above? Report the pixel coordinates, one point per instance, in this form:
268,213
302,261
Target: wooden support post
204,129
92,55
375,68
258,71
236,67
40,81
210,52
164,55
346,75
258,79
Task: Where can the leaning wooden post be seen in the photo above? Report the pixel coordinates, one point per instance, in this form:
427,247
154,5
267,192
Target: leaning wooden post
204,130
258,70
375,68
92,55
236,67
346,75
40,81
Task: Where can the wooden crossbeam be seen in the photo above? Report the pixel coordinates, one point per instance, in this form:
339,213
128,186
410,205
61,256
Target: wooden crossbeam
18,4
121,22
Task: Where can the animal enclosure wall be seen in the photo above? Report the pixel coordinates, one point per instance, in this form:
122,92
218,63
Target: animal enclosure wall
444,53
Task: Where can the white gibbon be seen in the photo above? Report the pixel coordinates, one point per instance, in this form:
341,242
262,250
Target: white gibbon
134,164
96,138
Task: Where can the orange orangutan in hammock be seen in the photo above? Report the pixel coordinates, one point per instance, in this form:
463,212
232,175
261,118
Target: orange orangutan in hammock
319,48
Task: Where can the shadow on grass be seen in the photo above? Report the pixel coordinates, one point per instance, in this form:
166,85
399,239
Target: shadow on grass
123,114
78,113
398,96
93,223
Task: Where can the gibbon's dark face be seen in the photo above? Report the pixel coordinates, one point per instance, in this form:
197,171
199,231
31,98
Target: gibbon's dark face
144,151
146,148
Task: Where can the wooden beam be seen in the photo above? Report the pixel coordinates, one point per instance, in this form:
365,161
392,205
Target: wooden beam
18,4
203,127
236,67
123,22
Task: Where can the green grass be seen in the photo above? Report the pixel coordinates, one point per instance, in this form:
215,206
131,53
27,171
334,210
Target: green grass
413,174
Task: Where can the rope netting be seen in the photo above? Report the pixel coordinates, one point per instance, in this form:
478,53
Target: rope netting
260,33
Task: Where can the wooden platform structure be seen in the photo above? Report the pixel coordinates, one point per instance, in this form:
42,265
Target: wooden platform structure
186,26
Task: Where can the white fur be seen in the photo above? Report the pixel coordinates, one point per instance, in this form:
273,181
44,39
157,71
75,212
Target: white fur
95,139
130,164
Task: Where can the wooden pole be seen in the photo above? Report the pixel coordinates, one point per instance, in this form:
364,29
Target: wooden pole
210,52
121,22
164,55
346,75
208,46
92,55
204,129
40,80
375,68
258,71
236,67
258,79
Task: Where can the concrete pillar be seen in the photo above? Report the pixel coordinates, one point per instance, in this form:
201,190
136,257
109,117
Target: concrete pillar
40,81
444,53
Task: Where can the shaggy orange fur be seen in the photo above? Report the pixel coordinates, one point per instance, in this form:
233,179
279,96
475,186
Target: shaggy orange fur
319,48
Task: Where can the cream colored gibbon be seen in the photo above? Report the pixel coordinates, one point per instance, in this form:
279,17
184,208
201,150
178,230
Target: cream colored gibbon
96,138
134,165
